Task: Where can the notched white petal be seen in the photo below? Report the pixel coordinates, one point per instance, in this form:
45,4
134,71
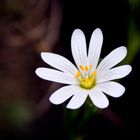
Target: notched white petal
114,73
95,46
62,94
113,89
59,62
78,99
98,98
78,47
55,76
112,59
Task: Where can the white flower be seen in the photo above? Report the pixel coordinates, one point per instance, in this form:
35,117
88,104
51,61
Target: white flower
88,78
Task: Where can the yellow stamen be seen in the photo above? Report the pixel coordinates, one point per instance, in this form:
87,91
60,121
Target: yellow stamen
82,67
90,66
94,73
86,68
78,74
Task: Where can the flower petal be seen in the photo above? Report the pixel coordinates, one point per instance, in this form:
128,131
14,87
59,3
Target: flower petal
114,73
78,99
98,98
62,94
112,59
78,47
95,48
56,76
112,88
59,62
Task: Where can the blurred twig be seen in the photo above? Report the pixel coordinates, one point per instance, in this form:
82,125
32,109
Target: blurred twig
26,29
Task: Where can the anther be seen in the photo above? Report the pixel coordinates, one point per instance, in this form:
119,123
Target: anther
90,66
94,73
86,68
82,67
78,74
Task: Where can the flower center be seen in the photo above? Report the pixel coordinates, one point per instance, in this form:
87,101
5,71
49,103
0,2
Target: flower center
86,77
87,83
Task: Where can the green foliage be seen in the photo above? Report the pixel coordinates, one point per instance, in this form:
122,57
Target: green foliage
16,114
133,41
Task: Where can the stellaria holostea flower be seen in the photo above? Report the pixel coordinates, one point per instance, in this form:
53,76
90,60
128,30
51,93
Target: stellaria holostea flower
89,78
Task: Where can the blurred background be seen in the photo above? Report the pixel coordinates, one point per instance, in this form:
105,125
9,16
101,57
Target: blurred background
28,27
